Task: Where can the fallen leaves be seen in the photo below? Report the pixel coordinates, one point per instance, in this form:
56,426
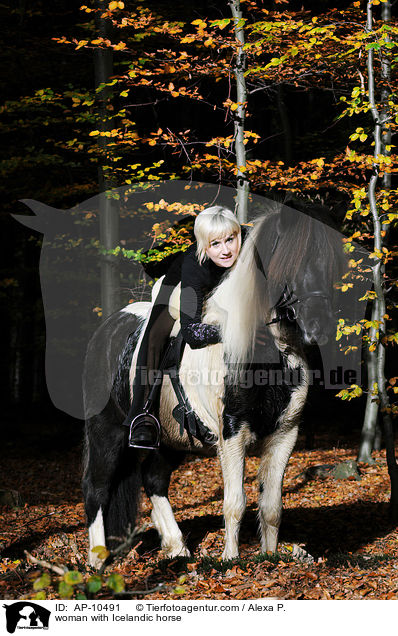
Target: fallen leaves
335,542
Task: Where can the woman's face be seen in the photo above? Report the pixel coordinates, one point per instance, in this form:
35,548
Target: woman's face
224,251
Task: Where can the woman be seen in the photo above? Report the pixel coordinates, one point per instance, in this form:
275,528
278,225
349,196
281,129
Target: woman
200,269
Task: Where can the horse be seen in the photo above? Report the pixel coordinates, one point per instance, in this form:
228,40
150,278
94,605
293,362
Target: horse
273,307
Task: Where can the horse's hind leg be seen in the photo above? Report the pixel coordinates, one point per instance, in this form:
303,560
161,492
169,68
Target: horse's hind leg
156,473
232,458
274,460
103,447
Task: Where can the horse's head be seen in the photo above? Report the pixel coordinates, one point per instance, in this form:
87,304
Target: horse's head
301,260
308,303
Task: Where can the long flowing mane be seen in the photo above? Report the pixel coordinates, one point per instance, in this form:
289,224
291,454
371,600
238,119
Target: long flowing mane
271,256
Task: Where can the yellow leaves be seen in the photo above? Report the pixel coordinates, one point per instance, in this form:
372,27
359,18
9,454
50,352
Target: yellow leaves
345,330
275,61
81,44
199,23
220,141
233,105
119,47
353,263
101,551
349,394
172,90
112,6
359,134
188,39
221,24
376,254
369,295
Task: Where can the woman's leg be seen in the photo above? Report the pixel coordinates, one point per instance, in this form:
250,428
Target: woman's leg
148,374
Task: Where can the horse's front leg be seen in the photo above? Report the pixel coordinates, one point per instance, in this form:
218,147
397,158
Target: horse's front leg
273,463
232,458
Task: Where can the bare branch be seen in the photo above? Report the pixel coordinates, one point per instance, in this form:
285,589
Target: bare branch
45,564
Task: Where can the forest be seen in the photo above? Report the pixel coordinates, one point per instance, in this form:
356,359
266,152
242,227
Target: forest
255,100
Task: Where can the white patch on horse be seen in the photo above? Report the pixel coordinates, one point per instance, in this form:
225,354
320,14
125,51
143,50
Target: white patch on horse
276,453
232,458
172,541
202,375
96,536
137,309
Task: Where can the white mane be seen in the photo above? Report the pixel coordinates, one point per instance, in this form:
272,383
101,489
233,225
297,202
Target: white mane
236,305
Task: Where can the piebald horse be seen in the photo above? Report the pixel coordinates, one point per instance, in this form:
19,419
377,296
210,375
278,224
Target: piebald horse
249,390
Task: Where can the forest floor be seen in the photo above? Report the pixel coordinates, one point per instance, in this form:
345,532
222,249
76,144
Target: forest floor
343,524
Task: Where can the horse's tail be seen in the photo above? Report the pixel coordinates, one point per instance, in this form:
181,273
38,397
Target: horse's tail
124,499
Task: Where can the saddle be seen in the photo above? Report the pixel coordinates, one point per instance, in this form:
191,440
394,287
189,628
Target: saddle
183,412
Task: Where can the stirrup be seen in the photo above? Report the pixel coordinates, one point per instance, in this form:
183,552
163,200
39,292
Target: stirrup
145,421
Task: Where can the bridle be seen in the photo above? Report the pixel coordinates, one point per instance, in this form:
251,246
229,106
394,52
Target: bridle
288,303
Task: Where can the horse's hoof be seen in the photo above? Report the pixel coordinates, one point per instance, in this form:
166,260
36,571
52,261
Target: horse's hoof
95,562
176,552
229,556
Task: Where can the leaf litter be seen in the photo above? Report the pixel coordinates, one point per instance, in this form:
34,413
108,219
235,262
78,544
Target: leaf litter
336,540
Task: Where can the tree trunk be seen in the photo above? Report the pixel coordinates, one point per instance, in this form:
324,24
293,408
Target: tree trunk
287,129
109,214
379,302
368,433
240,113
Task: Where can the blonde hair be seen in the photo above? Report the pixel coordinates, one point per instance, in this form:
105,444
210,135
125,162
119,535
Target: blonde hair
213,223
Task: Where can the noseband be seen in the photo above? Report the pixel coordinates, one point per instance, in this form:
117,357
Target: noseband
288,304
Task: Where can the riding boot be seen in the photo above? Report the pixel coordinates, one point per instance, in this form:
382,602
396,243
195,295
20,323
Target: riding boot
144,427
144,432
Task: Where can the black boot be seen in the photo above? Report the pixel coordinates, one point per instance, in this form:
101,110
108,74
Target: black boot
144,432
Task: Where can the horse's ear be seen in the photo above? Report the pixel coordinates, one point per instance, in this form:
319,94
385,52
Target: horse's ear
46,219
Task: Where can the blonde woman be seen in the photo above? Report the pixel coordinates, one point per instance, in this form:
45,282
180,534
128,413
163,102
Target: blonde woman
200,269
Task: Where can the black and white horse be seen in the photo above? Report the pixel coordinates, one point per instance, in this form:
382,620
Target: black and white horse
249,391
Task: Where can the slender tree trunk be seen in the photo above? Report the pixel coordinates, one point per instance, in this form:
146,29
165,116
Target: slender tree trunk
109,214
371,434
378,287
287,129
240,113
368,433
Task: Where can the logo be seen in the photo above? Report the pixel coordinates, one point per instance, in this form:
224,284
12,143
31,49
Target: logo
26,615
